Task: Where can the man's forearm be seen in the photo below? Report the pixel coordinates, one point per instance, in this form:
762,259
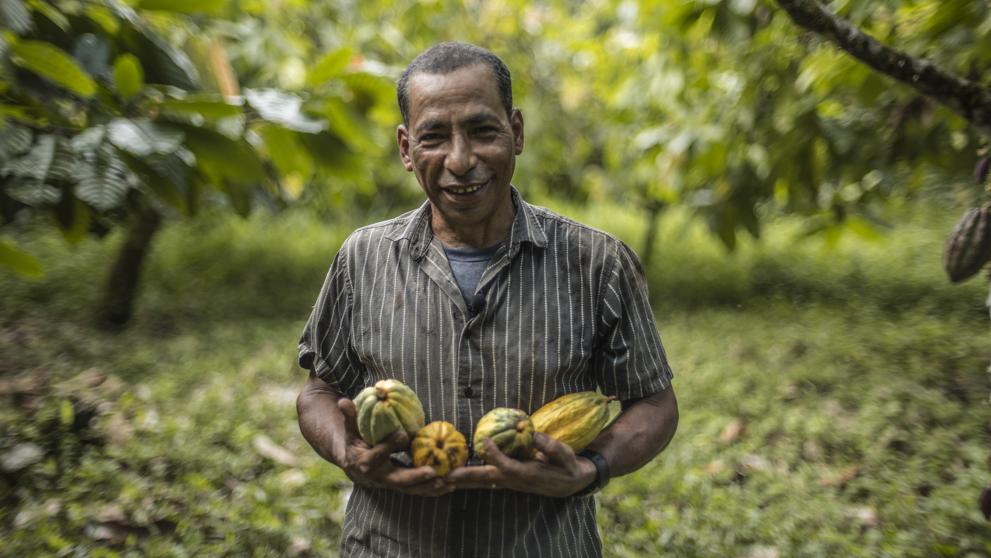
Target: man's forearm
321,421
639,433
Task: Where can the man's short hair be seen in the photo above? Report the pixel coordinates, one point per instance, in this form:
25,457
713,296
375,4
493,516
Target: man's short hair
444,58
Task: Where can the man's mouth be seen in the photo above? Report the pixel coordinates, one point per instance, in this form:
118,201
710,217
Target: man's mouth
467,189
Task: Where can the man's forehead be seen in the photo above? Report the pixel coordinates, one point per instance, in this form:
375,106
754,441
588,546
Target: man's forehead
471,89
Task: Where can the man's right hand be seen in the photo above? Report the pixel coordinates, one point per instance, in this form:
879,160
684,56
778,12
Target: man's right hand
370,465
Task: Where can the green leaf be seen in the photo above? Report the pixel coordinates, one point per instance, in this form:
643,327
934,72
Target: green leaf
283,108
128,75
209,7
54,64
18,261
211,108
35,163
329,66
103,17
51,13
14,140
32,192
104,183
220,157
162,62
88,140
14,15
286,151
142,137
348,126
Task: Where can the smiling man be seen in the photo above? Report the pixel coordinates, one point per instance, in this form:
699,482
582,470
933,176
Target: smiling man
479,300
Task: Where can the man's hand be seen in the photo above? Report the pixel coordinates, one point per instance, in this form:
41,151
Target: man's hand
370,465
329,422
556,471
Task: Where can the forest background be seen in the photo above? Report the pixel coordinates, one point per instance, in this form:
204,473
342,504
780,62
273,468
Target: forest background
176,175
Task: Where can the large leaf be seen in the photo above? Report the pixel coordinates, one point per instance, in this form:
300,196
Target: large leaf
283,108
19,261
128,75
54,64
162,62
142,137
32,192
329,66
14,140
103,183
211,108
15,16
35,163
220,157
209,7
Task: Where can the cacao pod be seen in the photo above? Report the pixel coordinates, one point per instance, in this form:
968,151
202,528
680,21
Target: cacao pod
510,429
575,419
441,446
386,407
968,247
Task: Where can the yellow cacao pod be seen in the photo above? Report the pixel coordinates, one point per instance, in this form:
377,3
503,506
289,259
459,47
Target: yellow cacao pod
575,419
510,429
441,446
386,407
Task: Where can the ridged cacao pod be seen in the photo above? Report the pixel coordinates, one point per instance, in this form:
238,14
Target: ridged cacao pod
386,407
441,446
510,429
575,419
968,247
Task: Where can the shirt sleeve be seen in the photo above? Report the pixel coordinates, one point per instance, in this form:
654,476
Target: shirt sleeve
325,345
630,358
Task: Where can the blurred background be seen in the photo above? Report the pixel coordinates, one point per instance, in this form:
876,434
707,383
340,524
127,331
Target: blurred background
176,176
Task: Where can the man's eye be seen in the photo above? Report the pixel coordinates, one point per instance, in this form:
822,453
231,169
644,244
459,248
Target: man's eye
431,138
486,131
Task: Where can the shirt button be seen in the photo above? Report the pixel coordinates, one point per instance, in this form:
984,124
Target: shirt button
468,392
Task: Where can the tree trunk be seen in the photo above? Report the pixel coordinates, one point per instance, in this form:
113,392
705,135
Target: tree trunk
653,219
117,306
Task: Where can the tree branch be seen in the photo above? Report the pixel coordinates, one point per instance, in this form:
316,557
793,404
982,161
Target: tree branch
967,98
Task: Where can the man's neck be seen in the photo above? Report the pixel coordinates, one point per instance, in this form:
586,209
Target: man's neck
478,236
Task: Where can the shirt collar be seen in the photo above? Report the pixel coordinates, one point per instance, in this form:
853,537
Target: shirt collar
526,228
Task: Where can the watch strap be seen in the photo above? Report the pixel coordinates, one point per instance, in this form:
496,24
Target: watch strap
601,472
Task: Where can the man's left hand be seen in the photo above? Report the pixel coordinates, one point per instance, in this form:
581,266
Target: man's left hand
556,472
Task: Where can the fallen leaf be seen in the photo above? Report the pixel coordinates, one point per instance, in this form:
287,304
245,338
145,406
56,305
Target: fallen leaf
267,448
21,456
732,432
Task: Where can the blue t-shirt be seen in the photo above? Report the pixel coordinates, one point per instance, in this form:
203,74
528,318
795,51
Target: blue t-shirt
467,265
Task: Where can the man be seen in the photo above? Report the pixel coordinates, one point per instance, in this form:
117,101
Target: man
479,300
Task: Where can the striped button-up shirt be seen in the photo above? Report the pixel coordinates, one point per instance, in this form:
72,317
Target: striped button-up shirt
565,309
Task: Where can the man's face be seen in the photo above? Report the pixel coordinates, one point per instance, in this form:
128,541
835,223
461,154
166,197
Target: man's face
461,145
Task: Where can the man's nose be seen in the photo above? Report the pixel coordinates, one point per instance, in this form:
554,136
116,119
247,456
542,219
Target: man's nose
461,158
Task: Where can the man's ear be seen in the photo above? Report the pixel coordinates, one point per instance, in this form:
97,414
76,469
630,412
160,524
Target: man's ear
402,136
516,122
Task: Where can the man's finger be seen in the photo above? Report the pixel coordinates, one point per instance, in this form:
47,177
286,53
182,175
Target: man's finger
378,455
557,453
479,477
409,478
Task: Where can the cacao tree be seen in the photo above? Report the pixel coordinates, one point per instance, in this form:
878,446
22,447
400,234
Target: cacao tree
114,116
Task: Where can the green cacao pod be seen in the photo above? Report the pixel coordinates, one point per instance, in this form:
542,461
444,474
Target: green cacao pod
440,446
510,429
968,247
386,407
575,419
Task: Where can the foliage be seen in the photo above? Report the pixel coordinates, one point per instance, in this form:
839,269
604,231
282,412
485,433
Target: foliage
107,109
838,416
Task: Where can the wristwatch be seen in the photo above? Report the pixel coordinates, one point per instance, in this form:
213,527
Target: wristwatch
601,472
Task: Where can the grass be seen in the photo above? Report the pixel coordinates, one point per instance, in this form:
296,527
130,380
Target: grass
834,399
